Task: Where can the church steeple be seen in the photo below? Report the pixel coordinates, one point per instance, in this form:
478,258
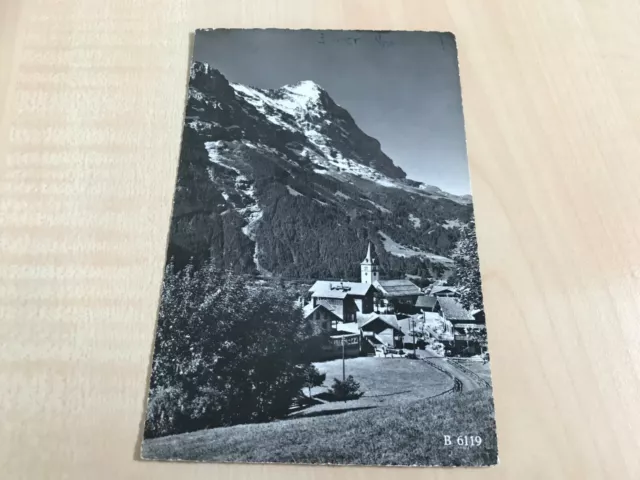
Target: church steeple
369,258
370,267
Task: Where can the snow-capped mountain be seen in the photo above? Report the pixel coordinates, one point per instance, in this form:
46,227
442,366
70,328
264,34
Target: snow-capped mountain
284,182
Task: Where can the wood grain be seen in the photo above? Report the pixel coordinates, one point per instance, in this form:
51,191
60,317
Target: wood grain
92,96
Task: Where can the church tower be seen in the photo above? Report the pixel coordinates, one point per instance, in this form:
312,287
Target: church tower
370,267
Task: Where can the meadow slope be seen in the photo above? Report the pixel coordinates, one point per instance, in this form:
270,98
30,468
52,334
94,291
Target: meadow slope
406,434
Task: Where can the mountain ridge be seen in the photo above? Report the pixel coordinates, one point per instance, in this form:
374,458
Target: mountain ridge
267,178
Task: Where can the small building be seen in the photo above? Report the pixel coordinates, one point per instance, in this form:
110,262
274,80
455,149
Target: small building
452,310
466,339
402,294
466,332
343,298
398,289
322,318
426,303
380,330
349,343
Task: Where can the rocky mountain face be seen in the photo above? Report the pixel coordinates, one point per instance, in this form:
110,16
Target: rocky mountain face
284,183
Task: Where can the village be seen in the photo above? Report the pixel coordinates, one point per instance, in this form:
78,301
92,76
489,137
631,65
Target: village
392,317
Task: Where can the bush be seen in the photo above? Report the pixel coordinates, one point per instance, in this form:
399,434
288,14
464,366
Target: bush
347,390
224,353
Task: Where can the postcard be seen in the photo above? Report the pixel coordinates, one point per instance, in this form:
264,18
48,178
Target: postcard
321,301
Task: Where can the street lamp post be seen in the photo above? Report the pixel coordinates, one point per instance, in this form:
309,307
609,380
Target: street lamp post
343,369
413,322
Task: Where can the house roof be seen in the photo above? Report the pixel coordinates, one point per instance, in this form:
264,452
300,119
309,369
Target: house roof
328,293
452,309
442,289
338,309
309,309
350,327
398,288
431,316
426,301
333,289
390,320
363,318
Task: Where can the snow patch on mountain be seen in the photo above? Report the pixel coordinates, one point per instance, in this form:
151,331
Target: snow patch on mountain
299,108
297,102
252,214
293,100
201,97
398,250
291,107
379,207
293,192
452,224
300,96
342,195
415,220
199,126
262,103
215,155
439,193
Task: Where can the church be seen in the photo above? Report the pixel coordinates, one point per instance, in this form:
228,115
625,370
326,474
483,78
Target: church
348,299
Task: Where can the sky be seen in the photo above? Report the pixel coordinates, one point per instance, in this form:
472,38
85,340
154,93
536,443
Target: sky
402,88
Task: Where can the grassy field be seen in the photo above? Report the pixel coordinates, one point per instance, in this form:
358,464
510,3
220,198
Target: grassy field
410,433
384,381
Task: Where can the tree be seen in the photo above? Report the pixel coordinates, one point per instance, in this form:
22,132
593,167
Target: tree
347,390
479,337
224,353
313,378
467,267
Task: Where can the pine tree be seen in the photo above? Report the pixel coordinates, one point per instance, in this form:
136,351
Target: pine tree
467,267
313,377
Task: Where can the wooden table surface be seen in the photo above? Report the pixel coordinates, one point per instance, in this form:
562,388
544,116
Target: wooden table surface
91,102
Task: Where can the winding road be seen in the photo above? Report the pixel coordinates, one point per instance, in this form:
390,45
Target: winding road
468,380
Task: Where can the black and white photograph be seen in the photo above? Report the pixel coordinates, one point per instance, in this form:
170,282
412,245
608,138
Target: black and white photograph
321,300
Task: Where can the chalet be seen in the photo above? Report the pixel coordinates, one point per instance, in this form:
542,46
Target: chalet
452,310
464,327
345,299
380,330
404,291
426,303
322,318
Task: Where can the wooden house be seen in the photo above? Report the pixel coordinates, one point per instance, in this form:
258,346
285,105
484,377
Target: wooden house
323,319
345,299
426,303
464,327
380,330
